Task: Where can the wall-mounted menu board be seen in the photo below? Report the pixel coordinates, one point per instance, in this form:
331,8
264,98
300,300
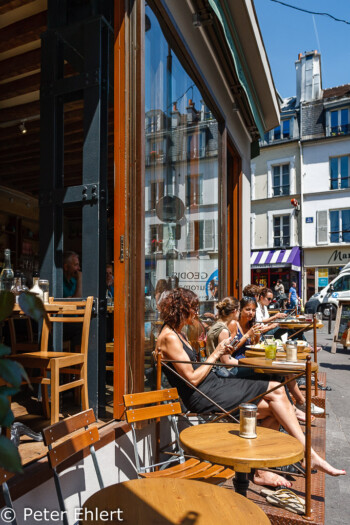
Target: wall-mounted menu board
342,326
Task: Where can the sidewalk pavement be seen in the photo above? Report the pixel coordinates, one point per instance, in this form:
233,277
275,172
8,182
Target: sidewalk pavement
337,367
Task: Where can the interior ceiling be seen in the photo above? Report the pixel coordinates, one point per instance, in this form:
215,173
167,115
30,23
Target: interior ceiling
21,24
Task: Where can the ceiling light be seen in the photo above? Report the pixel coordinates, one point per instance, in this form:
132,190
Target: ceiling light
22,128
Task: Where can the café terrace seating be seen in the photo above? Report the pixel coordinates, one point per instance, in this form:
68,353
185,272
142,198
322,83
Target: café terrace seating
145,406
52,364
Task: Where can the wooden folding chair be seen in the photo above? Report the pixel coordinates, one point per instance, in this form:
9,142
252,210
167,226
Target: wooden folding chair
165,403
72,364
74,442
4,477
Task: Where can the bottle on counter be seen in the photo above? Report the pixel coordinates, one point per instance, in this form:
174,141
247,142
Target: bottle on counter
17,286
7,275
36,288
24,283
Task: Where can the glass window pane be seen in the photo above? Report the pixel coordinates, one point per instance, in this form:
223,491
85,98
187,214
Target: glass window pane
286,129
334,120
345,216
334,173
334,220
344,171
181,247
277,133
344,119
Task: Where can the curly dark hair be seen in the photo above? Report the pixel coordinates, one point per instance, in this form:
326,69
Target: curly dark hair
176,307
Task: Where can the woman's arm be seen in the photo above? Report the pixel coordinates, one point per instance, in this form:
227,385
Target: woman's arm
171,348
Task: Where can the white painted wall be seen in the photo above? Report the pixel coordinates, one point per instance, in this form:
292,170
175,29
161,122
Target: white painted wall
331,200
316,162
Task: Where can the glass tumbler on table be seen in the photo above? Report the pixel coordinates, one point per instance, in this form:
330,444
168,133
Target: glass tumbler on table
44,285
270,350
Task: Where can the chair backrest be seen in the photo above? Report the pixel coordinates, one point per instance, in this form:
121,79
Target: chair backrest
156,404
75,442
4,477
22,346
71,312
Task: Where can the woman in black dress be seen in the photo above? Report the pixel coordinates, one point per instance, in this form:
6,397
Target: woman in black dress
177,310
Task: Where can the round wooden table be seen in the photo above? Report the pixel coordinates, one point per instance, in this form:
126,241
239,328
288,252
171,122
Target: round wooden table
262,364
165,501
280,355
220,443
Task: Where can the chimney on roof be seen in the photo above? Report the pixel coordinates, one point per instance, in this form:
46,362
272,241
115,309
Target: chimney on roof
192,113
175,116
309,78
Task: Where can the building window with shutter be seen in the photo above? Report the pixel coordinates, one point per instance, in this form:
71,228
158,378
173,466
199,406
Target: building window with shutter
202,235
194,190
339,221
339,171
281,180
281,231
339,122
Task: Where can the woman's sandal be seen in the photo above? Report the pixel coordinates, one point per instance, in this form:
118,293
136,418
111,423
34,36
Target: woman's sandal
285,499
299,418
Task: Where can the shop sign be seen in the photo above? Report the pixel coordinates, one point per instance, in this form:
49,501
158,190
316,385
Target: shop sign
341,256
322,277
322,282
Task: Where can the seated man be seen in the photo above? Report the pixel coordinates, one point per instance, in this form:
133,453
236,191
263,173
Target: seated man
72,281
72,287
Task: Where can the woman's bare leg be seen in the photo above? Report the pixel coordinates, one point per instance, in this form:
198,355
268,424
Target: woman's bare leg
294,389
264,477
283,411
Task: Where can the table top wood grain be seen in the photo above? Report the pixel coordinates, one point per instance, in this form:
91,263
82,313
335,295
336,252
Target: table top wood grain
165,501
265,364
220,443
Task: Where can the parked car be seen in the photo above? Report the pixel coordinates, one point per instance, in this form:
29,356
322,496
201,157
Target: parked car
326,301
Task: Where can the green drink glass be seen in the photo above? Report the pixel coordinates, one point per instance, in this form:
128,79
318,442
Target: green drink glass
270,350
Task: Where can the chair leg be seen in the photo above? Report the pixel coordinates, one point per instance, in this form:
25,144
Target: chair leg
55,396
45,396
84,388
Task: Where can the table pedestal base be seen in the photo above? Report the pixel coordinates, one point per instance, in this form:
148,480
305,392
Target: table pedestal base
241,483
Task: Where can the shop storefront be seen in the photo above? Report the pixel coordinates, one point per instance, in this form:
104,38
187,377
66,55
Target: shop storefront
267,266
322,265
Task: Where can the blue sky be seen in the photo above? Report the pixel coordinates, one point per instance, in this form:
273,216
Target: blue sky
287,32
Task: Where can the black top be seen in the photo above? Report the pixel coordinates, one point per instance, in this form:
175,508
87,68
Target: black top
228,392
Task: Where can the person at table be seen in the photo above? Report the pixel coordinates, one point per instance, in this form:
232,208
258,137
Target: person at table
252,290
225,327
178,309
293,297
262,314
246,328
72,277
72,287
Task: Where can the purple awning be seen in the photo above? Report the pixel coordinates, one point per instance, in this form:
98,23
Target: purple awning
277,258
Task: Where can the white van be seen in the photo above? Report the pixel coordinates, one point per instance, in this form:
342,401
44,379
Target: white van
326,301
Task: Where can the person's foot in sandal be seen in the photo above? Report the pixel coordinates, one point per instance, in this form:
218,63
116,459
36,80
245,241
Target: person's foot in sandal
264,477
301,416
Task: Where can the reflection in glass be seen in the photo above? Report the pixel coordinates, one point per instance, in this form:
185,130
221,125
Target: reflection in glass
181,188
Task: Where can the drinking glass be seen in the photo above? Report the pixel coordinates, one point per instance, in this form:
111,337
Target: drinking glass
270,350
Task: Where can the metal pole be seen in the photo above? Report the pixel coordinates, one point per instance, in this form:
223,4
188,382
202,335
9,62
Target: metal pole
315,353
308,441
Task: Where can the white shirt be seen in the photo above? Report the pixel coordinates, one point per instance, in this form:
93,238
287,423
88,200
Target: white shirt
261,313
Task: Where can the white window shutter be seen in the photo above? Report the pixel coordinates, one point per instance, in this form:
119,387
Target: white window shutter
209,235
322,227
190,236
